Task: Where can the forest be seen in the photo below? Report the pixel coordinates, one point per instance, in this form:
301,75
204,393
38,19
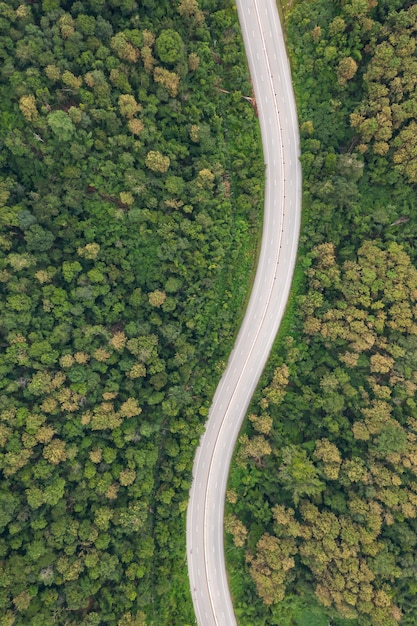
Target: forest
321,516
131,193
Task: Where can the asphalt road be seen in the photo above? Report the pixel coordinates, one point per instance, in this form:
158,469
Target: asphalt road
272,84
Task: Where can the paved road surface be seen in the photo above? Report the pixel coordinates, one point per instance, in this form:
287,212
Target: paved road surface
271,78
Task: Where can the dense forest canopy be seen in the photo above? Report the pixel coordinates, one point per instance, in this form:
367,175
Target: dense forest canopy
322,501
131,195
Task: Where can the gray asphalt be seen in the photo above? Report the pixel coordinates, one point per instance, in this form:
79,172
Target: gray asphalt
271,77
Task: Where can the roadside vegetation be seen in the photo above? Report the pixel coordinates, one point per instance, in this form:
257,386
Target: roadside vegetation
322,499
131,193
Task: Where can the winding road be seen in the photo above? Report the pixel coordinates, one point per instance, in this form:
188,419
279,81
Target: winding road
271,77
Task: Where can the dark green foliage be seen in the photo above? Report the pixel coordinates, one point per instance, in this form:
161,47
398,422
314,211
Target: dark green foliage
323,487
122,286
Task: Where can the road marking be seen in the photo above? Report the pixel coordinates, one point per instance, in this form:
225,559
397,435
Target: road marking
218,615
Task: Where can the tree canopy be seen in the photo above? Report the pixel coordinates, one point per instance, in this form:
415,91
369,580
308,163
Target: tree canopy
322,496
131,195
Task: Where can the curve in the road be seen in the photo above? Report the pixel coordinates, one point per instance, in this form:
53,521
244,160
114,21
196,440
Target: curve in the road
271,77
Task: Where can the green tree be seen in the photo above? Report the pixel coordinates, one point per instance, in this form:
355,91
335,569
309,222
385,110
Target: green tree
61,125
38,239
298,474
169,46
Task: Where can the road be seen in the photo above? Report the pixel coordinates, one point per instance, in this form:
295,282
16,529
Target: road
271,77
